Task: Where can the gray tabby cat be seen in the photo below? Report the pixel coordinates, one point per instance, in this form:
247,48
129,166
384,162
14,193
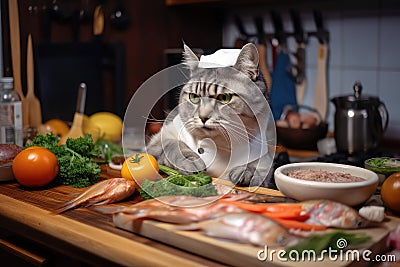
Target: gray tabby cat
220,123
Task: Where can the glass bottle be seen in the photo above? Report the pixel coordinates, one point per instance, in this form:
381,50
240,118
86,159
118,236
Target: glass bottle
10,113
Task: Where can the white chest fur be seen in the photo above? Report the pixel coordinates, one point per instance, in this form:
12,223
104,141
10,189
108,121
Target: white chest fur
221,158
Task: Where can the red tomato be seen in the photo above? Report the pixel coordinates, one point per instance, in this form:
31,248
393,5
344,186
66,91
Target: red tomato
35,167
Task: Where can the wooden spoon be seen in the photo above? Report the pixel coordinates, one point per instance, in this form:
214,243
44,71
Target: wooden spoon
76,128
33,103
16,55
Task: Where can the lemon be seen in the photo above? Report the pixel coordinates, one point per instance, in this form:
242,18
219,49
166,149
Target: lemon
110,125
88,127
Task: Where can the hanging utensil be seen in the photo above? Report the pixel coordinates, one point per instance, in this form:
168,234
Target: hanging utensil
76,128
320,99
119,17
300,65
243,37
262,51
279,39
283,90
98,21
33,103
16,55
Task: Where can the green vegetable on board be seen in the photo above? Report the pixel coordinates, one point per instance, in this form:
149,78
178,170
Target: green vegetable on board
76,167
199,185
335,240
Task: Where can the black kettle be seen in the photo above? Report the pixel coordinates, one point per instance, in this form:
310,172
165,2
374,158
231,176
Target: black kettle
360,121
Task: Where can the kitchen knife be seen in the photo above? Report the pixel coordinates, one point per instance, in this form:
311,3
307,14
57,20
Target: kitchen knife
242,39
300,65
16,55
279,40
320,99
262,51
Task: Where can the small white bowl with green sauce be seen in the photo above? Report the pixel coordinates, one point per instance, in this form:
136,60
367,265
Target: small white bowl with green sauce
383,166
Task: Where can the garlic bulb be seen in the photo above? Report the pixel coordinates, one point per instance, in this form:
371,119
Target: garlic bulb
373,213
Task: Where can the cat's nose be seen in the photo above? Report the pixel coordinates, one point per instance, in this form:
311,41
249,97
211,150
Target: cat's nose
203,119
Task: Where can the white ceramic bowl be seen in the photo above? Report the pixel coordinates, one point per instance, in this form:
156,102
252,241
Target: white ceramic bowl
352,194
6,173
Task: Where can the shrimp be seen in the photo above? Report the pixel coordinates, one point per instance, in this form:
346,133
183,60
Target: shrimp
245,227
104,192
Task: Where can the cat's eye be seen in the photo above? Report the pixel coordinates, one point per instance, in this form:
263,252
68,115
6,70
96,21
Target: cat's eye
224,98
195,99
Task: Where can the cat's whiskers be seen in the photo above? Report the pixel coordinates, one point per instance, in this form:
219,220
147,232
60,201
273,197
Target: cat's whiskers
250,135
242,130
152,119
245,136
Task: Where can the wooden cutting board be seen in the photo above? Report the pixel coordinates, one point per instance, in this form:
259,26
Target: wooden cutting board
235,254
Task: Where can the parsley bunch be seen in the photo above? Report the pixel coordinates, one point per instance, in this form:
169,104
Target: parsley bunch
198,185
75,164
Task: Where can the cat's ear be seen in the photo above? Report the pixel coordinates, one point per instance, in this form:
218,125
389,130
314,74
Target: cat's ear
189,58
247,61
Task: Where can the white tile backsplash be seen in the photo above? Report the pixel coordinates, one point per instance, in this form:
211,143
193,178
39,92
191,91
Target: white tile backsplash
389,40
360,43
364,45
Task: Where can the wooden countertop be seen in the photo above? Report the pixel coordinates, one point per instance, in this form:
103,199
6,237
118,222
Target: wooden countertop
88,236
84,234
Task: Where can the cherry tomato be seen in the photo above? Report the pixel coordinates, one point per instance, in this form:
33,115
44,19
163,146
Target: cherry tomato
139,167
35,167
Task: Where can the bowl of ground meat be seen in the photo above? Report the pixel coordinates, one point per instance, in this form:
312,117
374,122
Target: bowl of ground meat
347,184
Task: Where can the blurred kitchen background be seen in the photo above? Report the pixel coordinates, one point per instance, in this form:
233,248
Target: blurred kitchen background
140,38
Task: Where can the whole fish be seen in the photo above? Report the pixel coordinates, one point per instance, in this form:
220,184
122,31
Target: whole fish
168,203
183,215
245,228
333,214
104,192
328,213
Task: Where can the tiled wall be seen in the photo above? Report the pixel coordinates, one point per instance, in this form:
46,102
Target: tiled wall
364,45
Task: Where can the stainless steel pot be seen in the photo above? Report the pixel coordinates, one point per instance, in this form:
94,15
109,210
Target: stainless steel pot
360,121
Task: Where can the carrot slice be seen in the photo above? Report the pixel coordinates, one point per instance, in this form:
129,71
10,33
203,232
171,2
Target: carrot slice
275,207
246,206
288,215
292,224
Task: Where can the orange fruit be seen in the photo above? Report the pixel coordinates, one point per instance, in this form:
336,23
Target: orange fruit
58,127
390,192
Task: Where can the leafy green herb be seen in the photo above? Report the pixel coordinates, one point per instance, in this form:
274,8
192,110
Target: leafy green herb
108,149
198,185
318,243
76,167
385,166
